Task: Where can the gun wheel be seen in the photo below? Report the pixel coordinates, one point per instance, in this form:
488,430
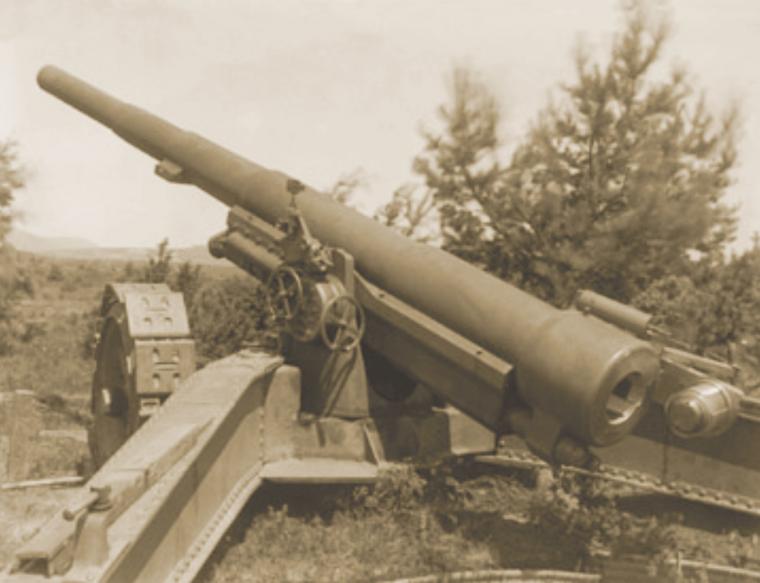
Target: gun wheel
284,292
342,323
115,403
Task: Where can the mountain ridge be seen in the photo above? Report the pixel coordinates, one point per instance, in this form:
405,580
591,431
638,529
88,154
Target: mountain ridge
80,248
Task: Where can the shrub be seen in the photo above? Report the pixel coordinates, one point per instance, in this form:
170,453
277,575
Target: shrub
584,511
188,280
90,326
55,273
31,331
400,490
225,315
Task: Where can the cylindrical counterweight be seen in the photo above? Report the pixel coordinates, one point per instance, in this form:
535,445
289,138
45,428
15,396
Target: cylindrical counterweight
563,362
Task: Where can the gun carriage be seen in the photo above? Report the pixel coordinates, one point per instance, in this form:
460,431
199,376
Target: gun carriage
389,350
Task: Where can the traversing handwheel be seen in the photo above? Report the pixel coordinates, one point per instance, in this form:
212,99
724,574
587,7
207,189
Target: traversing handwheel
284,291
342,323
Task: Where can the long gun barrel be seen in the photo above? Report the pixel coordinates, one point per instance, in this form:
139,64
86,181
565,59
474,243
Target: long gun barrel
568,365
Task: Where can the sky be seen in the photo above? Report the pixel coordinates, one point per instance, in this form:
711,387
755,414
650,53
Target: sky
314,88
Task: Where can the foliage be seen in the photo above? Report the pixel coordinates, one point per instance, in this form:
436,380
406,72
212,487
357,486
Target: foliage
8,299
55,273
734,317
92,323
12,283
187,280
714,307
11,179
586,513
128,273
159,266
409,213
378,532
345,188
612,189
226,314
745,552
402,489
460,168
678,306
407,488
49,362
16,284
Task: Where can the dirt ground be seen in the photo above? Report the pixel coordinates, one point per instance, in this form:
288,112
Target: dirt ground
41,443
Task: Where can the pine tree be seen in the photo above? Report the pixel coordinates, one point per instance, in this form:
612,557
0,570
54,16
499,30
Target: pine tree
10,180
345,188
617,184
623,180
460,168
410,213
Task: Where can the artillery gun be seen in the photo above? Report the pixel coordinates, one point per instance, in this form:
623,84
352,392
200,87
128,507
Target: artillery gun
390,350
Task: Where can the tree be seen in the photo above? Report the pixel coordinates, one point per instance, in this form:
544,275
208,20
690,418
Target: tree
11,179
716,308
187,280
159,266
409,213
460,168
11,282
615,186
344,189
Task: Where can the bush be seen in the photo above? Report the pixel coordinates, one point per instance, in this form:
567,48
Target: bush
584,511
187,280
7,339
227,314
401,490
32,330
380,532
9,332
90,326
159,266
55,273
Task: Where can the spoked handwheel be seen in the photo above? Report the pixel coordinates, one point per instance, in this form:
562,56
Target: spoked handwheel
284,292
342,323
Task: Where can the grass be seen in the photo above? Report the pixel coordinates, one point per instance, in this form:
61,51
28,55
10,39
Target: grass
308,533
414,523
47,362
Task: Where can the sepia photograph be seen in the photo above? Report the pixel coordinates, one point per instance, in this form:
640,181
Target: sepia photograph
390,291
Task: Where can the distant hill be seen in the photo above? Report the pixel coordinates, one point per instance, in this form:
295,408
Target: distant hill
24,241
197,254
75,248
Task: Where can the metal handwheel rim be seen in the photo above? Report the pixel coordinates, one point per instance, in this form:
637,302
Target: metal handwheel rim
359,327
278,276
